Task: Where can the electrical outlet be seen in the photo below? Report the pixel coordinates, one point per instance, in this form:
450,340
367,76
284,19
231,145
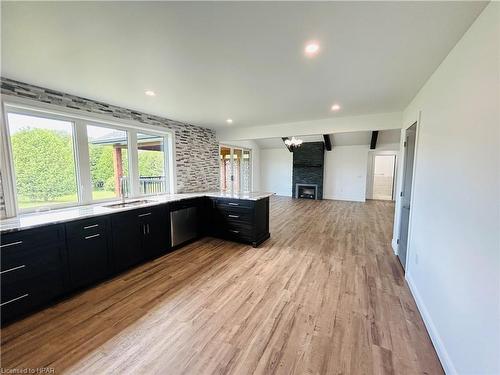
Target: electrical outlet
416,258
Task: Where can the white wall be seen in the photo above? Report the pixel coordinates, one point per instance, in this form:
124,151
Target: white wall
345,173
453,263
276,171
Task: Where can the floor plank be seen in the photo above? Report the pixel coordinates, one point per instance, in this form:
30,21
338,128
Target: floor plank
325,295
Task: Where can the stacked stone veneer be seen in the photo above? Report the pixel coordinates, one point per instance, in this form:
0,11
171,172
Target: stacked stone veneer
308,161
196,148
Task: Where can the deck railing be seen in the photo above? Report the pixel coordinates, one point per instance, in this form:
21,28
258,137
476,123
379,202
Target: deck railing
147,184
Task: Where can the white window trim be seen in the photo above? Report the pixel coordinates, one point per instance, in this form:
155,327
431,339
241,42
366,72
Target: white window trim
79,119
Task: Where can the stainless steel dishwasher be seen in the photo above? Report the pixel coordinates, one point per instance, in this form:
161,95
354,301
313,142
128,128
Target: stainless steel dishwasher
183,224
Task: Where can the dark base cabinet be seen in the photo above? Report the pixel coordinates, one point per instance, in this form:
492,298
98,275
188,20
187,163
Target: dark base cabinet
154,225
126,238
239,220
138,235
33,270
41,265
88,251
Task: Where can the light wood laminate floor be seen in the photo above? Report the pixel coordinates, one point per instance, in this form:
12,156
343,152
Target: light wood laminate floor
325,295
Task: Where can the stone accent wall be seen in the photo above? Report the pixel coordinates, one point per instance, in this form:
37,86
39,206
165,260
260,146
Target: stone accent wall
196,148
308,161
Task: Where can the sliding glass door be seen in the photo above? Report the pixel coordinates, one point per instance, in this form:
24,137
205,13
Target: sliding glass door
235,169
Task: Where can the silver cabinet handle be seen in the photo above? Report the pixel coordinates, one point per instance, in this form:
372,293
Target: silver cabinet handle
12,244
91,226
144,229
234,231
148,227
13,269
146,214
233,204
93,236
235,216
14,299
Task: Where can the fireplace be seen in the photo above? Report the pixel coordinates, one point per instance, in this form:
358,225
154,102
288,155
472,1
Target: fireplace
306,191
308,161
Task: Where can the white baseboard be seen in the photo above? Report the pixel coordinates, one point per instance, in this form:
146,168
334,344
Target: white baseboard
441,351
395,245
343,198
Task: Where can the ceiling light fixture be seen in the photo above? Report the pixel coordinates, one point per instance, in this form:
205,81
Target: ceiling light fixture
149,93
335,107
293,143
312,48
229,120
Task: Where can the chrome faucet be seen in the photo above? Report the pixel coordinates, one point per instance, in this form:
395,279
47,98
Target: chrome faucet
123,195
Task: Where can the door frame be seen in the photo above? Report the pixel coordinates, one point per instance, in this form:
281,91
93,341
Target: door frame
371,169
398,208
243,149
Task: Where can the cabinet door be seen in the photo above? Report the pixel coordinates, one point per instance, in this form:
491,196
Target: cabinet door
87,258
156,230
127,240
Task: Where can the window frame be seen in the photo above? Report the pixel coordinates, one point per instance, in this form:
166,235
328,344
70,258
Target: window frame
243,149
166,153
79,119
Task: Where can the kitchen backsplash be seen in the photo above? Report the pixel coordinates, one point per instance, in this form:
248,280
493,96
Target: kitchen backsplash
196,148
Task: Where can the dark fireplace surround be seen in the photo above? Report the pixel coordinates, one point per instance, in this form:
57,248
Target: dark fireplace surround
308,162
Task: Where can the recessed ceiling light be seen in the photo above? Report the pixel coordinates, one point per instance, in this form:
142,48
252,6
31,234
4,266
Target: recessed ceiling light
312,48
335,107
229,120
149,93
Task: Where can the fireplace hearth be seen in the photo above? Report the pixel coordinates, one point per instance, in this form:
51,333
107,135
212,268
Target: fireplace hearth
306,191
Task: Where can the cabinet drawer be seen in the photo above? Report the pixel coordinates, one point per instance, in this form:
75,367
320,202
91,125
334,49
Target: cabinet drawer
238,234
83,228
21,297
235,203
237,217
13,242
236,210
239,228
15,306
33,259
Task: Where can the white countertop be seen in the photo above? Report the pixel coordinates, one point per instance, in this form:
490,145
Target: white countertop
36,219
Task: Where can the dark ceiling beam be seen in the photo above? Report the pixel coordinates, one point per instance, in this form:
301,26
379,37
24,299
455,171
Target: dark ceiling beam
284,139
373,143
328,142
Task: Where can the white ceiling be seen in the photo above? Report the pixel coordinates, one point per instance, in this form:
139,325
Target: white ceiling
339,139
208,61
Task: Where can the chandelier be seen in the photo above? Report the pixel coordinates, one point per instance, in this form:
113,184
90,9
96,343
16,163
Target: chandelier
293,143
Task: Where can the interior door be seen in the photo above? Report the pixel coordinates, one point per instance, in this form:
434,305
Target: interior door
409,150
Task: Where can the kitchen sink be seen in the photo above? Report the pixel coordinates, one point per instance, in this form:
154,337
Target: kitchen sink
129,203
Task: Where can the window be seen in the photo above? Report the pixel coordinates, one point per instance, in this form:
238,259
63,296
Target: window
59,159
235,169
108,155
151,157
43,156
